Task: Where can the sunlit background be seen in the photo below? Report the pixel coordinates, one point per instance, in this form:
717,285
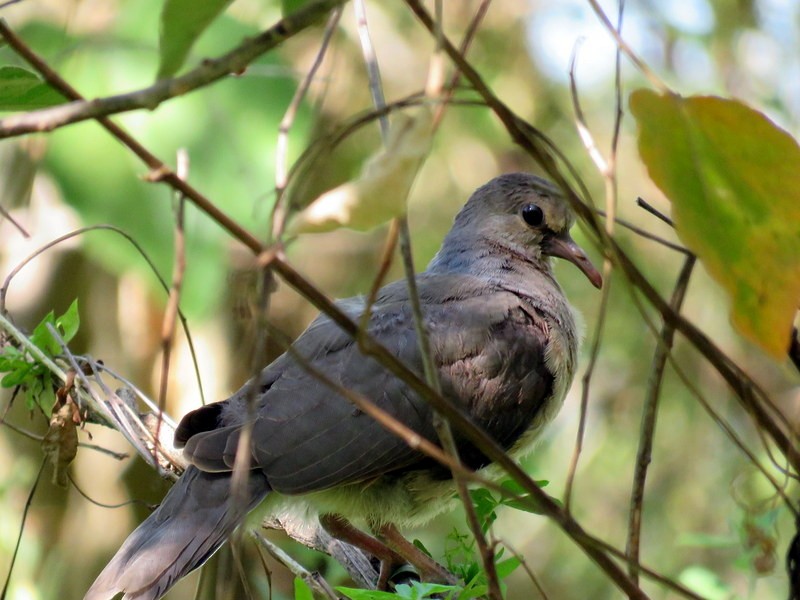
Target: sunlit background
704,499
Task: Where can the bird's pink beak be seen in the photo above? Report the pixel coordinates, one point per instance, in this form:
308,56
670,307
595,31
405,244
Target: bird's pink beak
563,246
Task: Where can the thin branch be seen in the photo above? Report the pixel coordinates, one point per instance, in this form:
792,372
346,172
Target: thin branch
103,505
7,215
88,446
649,236
371,62
469,36
209,71
295,567
280,208
441,425
28,503
648,426
174,299
607,168
654,79
531,575
715,417
641,202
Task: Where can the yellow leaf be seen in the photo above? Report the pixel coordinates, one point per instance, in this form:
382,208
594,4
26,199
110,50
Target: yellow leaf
381,191
733,178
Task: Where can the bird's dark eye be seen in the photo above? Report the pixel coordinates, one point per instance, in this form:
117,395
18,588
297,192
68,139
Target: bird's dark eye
532,215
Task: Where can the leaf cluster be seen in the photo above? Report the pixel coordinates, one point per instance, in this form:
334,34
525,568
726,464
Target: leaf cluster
24,370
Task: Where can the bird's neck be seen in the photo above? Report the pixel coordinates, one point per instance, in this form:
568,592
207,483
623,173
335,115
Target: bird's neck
494,260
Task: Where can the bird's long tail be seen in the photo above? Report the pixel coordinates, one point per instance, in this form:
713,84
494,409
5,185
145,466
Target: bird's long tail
196,517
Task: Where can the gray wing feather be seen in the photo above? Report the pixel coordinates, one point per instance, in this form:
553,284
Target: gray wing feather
489,347
192,522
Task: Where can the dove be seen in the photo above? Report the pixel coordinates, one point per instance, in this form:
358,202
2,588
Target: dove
504,340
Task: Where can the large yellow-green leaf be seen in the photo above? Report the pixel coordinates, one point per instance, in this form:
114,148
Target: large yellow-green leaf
381,191
733,178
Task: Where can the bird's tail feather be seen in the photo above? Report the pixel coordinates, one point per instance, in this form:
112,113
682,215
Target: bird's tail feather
194,520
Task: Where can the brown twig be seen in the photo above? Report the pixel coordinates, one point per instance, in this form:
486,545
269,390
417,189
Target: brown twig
528,571
648,426
648,236
641,202
322,590
280,208
607,168
7,215
654,79
88,446
174,299
28,503
449,90
104,505
727,429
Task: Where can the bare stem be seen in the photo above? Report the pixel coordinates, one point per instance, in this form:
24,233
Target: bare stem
648,426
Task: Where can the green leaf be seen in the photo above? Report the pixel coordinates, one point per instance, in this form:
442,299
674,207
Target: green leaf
359,594
43,339
21,89
705,583
517,488
381,191
17,376
733,178
10,358
484,502
69,322
182,22
36,387
507,566
420,546
301,590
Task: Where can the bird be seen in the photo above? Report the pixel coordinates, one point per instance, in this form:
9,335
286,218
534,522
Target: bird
503,338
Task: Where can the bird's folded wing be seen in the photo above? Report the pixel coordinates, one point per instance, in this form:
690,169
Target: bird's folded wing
306,437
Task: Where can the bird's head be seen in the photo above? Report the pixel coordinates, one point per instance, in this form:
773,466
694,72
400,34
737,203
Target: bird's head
526,215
